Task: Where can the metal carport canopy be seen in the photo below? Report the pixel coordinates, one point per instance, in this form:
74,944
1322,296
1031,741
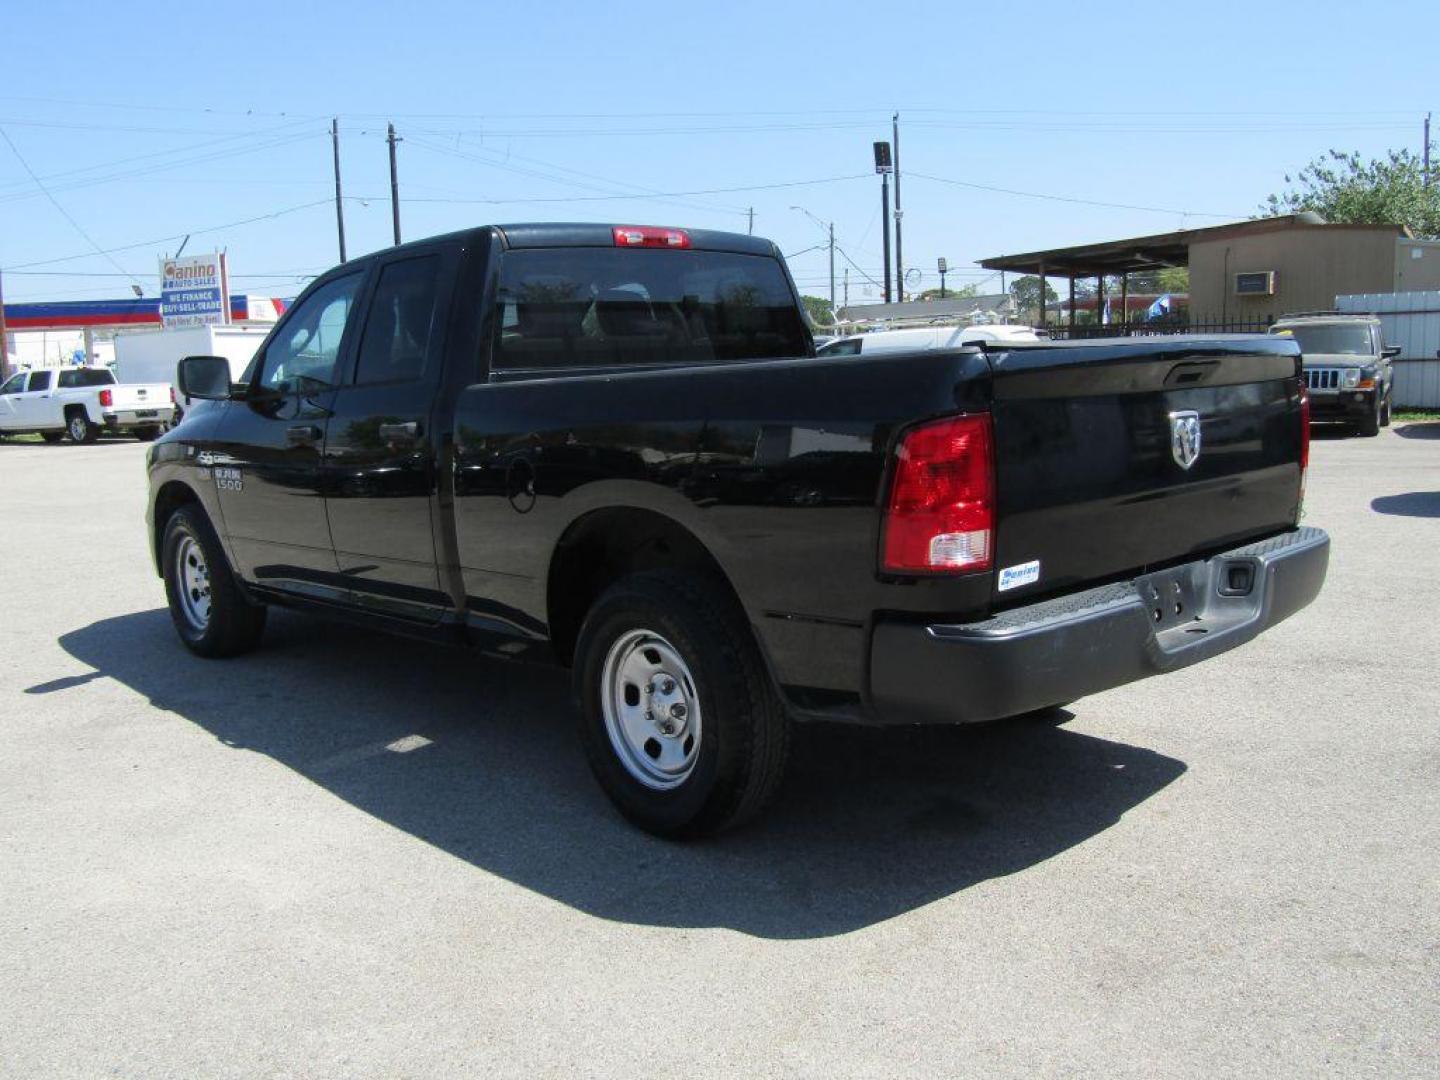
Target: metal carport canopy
1112,257
1138,252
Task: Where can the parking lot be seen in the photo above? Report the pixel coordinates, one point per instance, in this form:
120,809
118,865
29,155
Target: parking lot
349,854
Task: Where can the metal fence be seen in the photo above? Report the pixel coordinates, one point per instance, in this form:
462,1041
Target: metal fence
1157,328
1410,320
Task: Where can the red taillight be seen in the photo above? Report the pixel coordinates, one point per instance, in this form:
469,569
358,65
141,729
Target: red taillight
1304,448
941,514
1304,428
106,399
650,236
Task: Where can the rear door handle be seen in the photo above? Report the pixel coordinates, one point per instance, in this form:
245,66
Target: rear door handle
303,434
408,430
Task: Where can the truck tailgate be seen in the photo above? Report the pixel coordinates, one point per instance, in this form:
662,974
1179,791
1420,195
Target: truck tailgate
1089,486
129,397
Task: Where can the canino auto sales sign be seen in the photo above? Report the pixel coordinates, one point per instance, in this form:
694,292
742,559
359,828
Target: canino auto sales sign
193,290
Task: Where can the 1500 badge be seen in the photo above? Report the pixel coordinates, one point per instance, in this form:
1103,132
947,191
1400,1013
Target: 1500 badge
229,480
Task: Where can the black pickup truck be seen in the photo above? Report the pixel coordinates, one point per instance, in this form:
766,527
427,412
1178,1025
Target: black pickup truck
615,447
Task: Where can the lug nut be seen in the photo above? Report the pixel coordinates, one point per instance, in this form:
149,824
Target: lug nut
678,711
667,686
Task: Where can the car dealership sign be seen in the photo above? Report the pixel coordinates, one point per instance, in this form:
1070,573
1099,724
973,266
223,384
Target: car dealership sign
193,291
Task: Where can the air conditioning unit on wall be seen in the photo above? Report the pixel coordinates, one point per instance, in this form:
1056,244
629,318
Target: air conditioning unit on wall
1255,283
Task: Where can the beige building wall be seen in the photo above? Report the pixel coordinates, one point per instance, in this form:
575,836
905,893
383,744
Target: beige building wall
1313,264
1417,265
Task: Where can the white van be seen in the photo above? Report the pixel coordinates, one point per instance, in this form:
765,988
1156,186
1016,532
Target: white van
152,355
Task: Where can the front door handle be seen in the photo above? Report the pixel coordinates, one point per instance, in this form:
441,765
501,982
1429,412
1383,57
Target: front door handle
395,432
303,435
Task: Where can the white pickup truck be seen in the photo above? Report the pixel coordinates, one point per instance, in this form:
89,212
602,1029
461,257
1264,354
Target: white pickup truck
82,402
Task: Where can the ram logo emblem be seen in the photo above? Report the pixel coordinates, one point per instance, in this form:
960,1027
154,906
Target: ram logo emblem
1185,438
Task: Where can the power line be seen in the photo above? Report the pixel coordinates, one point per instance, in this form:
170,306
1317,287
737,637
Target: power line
642,197
1069,199
166,166
56,203
173,236
155,154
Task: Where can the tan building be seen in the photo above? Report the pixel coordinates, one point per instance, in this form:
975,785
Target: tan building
1255,271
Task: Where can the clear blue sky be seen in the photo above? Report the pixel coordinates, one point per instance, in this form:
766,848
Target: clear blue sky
147,123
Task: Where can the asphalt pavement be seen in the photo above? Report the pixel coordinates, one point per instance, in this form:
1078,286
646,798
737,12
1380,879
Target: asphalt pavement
350,855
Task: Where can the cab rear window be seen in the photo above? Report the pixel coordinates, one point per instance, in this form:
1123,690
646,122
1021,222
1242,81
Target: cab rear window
601,307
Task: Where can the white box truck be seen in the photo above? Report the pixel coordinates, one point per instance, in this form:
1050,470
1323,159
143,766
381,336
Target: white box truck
152,355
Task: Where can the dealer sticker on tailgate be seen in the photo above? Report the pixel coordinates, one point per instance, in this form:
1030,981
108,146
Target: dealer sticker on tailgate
1012,577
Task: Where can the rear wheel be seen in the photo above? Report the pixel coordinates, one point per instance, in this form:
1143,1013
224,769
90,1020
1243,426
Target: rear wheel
80,429
211,614
678,717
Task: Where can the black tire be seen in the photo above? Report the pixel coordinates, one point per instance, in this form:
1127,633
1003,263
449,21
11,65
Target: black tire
80,428
147,434
232,624
744,735
52,436
1385,410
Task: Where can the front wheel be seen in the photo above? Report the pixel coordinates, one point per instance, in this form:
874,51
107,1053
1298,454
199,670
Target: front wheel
81,429
1385,410
1369,424
211,614
678,717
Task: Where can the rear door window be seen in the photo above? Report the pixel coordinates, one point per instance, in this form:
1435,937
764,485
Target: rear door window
615,307
400,326
39,380
82,377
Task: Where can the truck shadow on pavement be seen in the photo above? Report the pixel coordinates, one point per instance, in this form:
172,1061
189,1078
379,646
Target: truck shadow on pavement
871,823
1425,504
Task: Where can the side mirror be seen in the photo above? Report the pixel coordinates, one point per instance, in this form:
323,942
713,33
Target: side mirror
1390,350
204,377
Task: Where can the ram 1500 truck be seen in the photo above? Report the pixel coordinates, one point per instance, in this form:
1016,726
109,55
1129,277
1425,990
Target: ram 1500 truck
614,446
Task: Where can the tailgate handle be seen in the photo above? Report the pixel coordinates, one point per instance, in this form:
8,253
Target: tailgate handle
1191,373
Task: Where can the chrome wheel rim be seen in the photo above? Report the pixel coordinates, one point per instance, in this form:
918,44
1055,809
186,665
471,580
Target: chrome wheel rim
77,428
192,583
651,709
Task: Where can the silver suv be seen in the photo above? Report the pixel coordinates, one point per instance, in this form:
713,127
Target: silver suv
1347,367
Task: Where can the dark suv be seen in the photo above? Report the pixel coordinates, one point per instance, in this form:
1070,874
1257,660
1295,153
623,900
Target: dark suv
1347,367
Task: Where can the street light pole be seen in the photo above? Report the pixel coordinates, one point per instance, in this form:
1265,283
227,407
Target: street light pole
883,166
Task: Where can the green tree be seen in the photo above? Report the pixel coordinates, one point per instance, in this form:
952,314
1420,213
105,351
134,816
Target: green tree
963,292
1346,190
1026,291
819,311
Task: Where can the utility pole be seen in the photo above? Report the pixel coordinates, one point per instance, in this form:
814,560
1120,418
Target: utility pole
339,205
899,258
847,286
832,271
4,339
750,228
944,269
394,182
1425,156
